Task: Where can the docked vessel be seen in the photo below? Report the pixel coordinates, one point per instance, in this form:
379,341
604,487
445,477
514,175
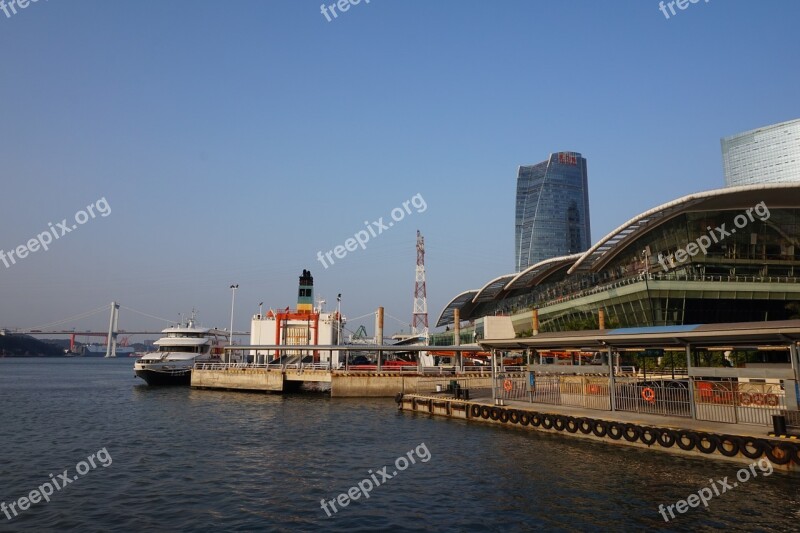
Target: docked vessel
178,350
307,325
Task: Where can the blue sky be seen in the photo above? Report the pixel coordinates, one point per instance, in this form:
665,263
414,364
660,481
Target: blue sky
235,140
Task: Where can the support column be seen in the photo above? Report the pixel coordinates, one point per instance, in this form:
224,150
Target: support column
379,334
458,363
601,319
612,389
692,405
494,377
535,322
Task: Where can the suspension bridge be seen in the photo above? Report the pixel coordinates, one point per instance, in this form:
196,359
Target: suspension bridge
111,335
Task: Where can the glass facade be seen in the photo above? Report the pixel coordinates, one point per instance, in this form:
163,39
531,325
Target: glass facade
552,209
765,155
751,274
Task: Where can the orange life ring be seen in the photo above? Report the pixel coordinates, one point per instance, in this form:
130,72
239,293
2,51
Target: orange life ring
594,389
649,395
507,385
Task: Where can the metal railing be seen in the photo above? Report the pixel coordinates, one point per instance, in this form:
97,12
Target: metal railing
734,402
576,391
658,397
512,387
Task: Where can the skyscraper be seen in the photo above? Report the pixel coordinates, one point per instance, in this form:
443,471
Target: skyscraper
764,155
552,213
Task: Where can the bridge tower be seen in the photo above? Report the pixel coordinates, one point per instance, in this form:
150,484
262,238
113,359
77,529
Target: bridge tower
113,330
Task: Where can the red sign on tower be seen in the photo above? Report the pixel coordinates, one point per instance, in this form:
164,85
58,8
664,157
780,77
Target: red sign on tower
567,159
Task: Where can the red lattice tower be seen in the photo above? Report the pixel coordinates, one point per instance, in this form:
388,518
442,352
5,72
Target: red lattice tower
419,324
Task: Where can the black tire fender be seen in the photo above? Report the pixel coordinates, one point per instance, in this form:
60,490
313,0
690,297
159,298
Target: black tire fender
524,418
778,452
600,428
756,444
585,425
475,410
485,412
494,413
536,420
735,445
559,422
632,432
713,442
667,438
504,416
684,436
615,430
652,438
547,421
796,453
513,416
572,424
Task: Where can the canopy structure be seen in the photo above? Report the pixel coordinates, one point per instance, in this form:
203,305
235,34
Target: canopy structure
741,334
772,195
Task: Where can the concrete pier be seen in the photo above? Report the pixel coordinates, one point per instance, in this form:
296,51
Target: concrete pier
343,384
731,442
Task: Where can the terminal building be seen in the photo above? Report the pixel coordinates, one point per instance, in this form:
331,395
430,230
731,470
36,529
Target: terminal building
726,255
770,154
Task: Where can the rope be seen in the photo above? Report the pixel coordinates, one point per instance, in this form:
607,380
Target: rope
72,318
147,315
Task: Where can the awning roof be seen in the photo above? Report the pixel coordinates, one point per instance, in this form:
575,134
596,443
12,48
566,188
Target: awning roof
492,289
535,274
773,195
781,332
463,301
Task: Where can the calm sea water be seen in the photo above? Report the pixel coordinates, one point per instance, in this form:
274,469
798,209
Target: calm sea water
192,460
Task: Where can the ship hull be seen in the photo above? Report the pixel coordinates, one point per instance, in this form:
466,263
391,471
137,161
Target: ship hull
161,378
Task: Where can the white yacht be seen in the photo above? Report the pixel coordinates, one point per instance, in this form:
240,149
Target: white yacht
178,350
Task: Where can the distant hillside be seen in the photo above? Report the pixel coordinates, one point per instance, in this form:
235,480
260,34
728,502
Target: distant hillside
25,346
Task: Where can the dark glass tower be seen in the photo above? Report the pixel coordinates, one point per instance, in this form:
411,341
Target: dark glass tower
552,214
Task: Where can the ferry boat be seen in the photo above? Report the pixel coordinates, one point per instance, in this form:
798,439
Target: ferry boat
178,350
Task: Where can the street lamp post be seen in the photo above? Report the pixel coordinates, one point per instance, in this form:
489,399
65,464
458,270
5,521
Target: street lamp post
233,288
339,328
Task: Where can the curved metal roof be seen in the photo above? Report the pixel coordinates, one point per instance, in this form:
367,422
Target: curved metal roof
459,302
535,274
773,195
492,289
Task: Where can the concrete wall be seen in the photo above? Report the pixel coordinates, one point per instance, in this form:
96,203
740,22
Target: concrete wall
250,379
344,386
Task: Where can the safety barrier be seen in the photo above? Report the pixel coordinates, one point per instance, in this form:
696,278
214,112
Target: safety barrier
738,402
511,386
658,397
